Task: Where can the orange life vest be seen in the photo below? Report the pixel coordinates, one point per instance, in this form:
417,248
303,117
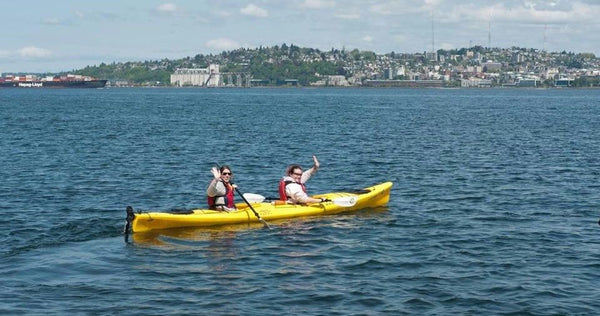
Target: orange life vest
282,184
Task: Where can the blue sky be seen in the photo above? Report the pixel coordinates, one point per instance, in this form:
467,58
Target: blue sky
62,35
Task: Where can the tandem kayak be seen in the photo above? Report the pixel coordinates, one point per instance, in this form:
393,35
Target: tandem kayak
338,202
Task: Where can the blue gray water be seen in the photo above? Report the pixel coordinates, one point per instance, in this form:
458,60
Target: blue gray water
494,210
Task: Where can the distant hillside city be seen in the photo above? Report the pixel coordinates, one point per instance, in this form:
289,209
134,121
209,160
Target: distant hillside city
296,66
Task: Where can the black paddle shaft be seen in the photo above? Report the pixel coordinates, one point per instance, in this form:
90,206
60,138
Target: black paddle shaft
252,208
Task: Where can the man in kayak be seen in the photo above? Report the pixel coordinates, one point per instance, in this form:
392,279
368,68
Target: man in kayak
292,187
220,190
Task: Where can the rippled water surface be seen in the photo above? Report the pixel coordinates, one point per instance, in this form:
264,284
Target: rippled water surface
494,208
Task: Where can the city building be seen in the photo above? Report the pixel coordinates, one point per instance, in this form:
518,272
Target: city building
563,82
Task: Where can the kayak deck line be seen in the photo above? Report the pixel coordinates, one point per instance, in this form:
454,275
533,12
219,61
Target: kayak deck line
374,196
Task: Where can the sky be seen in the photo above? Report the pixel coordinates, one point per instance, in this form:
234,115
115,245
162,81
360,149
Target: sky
64,35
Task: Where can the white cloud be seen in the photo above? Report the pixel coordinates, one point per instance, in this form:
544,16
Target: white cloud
167,8
253,10
317,4
79,14
380,9
350,16
223,44
33,52
528,12
222,13
367,38
51,21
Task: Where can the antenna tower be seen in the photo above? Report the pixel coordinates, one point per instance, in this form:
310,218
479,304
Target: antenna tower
489,34
544,44
432,34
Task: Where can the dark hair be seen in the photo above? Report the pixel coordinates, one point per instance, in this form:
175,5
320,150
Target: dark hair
223,167
290,169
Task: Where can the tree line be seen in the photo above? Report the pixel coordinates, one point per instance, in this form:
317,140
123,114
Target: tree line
273,64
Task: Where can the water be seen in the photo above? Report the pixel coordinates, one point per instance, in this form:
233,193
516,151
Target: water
494,208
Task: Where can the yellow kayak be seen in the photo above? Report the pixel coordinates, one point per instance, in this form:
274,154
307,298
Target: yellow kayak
338,202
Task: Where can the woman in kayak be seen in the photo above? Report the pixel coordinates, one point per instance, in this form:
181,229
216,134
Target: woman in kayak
292,187
220,190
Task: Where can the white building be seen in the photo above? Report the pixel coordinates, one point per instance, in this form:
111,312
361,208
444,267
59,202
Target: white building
551,73
400,71
475,82
337,81
202,77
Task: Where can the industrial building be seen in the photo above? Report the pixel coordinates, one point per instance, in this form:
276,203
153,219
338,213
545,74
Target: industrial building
199,77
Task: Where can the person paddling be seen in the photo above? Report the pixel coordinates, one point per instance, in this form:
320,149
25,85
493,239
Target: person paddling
292,186
220,191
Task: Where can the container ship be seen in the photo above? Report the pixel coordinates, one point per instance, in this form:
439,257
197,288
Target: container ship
67,81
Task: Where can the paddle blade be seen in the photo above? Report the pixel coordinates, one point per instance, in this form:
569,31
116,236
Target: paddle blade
253,198
265,223
346,201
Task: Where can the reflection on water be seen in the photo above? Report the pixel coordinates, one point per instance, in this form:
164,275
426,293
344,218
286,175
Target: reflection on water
189,236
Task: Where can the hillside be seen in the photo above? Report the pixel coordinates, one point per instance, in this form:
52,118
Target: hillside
275,64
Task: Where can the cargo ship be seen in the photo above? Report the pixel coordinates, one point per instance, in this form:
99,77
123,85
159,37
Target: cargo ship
66,81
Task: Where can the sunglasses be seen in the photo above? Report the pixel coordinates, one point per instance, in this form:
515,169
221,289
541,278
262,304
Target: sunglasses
226,173
297,174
